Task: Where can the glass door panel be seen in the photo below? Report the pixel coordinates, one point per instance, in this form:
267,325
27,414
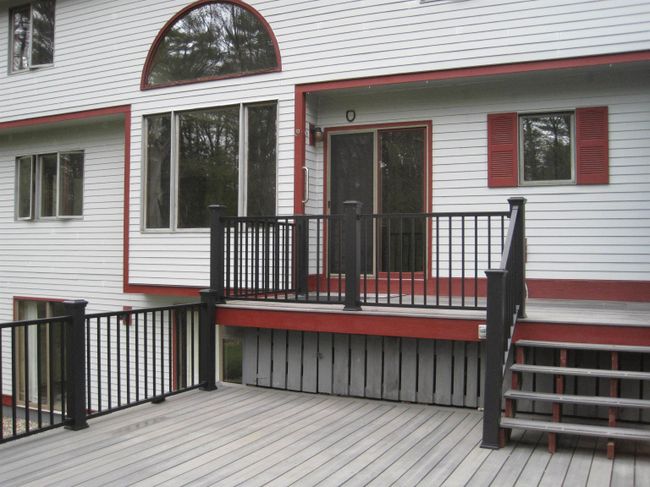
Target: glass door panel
402,190
352,158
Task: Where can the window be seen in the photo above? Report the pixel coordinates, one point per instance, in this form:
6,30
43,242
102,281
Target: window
569,147
211,40
39,346
546,148
224,155
32,28
49,185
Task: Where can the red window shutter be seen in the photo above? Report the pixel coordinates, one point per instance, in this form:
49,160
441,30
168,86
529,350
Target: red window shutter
592,144
502,150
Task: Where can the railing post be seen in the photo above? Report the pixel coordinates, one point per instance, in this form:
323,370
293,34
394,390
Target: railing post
302,254
520,252
352,254
207,337
217,251
75,364
495,350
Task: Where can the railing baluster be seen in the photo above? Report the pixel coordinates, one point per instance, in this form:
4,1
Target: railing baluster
475,261
450,286
126,325
88,365
109,381
136,322
39,379
26,368
437,261
99,365
119,360
14,381
462,260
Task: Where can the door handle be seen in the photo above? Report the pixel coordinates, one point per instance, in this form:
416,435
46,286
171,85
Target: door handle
306,184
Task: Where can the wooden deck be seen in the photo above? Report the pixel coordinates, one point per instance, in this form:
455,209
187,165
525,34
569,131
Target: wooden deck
250,436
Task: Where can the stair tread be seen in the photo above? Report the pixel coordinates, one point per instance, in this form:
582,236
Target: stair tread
576,429
583,346
575,399
605,373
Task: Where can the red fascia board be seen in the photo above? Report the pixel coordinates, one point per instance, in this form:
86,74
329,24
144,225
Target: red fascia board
579,333
351,323
472,72
65,117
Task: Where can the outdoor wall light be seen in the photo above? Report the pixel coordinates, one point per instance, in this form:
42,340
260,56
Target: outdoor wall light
315,135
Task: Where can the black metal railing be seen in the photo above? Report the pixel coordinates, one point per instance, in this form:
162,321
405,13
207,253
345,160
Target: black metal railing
67,369
506,303
138,355
417,260
33,375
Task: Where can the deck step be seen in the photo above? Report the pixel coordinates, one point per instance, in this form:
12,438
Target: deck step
604,373
572,399
576,429
582,346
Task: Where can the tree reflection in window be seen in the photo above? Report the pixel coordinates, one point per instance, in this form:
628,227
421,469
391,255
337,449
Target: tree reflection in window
547,151
213,40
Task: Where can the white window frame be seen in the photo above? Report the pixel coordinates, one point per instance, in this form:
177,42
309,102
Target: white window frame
520,148
242,191
37,186
30,65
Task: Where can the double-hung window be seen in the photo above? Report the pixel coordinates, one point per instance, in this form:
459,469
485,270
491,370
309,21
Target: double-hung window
32,35
49,185
224,155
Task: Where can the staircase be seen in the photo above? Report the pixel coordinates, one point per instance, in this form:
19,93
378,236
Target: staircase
555,377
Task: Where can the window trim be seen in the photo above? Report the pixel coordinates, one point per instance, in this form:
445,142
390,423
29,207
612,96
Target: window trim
146,70
37,185
242,180
520,149
30,65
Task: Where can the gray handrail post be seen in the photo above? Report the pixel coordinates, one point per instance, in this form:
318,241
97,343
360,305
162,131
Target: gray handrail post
302,254
496,288
520,252
217,251
208,336
75,345
352,254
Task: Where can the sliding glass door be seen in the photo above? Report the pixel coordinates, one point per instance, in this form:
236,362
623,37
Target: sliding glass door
384,170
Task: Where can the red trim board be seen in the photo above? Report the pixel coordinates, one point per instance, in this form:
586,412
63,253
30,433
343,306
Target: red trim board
578,333
354,323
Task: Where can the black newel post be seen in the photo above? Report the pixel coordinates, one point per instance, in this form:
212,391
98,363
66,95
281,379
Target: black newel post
352,254
217,257
496,288
520,252
75,343
302,254
207,344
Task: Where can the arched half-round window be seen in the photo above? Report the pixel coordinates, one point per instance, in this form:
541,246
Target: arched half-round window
211,40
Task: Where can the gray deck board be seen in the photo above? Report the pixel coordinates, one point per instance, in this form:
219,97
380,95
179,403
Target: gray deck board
241,435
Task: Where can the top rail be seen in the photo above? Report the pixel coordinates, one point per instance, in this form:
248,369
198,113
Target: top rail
40,321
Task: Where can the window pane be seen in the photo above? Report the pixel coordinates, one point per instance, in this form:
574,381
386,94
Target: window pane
48,184
208,164
158,170
261,160
212,40
71,184
547,151
402,191
43,32
20,31
25,186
